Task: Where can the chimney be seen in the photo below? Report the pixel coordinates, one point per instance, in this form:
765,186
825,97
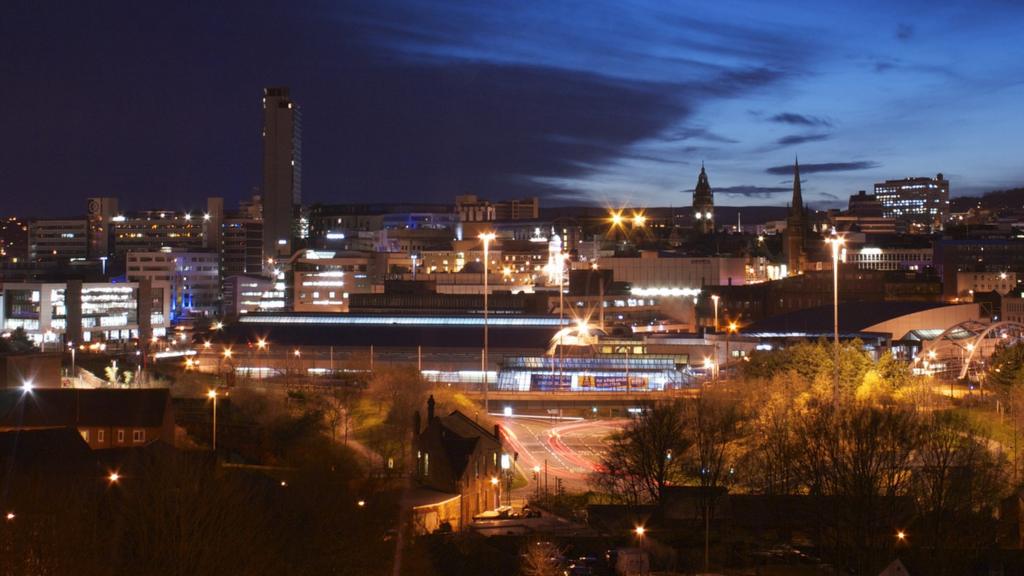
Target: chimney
497,431
416,424
430,408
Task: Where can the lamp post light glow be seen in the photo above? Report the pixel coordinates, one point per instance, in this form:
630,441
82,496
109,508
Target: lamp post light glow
113,478
212,395
639,531
714,298
836,242
486,237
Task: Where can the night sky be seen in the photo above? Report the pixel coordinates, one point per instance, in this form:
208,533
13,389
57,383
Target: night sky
577,102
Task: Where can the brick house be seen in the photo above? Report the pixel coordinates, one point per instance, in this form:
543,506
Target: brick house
105,418
457,456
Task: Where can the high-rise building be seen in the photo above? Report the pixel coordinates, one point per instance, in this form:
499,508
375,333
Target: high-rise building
282,170
703,204
793,245
921,202
101,215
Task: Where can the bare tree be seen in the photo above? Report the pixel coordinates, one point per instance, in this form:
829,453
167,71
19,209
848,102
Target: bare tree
541,559
958,482
647,456
860,459
715,420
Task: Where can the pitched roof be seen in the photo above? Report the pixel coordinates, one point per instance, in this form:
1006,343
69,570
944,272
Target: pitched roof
52,451
57,407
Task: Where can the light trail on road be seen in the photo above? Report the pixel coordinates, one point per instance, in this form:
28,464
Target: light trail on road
572,450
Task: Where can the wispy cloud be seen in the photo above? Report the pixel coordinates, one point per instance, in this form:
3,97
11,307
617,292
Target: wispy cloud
801,138
799,119
752,191
823,167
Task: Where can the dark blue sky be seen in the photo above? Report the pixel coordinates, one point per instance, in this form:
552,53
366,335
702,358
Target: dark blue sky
605,102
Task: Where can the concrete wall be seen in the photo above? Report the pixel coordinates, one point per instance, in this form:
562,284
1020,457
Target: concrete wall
41,369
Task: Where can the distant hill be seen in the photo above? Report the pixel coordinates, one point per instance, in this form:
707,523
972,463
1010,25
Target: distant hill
997,201
723,214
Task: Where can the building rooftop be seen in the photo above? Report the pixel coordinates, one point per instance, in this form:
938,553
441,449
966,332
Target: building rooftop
854,317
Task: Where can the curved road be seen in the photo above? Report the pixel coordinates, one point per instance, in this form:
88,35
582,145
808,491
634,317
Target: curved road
571,449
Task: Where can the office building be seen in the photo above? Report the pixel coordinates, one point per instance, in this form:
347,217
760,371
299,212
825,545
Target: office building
703,204
58,241
991,255
152,230
970,283
73,311
246,294
194,278
241,247
923,203
323,281
282,171
1013,309
889,258
473,209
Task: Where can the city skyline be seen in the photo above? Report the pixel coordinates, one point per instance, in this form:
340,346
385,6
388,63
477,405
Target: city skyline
575,104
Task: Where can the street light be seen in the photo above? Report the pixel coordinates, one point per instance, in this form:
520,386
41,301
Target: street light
227,353
639,531
113,478
732,328
836,242
212,395
486,237
639,220
261,344
714,298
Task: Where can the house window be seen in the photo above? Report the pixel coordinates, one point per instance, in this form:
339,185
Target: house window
85,435
120,436
426,464
99,436
138,436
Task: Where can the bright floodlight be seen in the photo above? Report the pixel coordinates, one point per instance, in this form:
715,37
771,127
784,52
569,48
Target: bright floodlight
27,385
639,220
616,218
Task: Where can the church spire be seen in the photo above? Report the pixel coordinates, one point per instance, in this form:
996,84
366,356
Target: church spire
703,204
798,202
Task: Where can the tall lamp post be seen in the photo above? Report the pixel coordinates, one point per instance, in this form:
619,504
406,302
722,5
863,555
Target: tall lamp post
836,242
714,298
486,237
212,394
